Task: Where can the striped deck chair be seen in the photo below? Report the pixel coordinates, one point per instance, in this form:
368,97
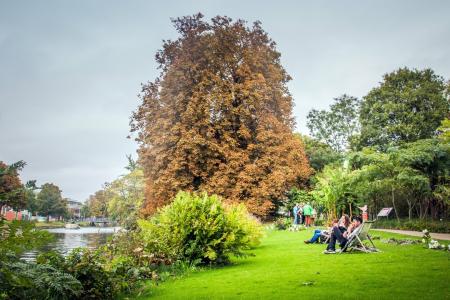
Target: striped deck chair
357,238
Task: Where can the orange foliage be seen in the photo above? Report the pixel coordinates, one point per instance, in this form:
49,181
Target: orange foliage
11,188
219,118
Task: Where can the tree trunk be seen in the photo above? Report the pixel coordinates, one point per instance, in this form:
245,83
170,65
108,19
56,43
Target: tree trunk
393,204
409,209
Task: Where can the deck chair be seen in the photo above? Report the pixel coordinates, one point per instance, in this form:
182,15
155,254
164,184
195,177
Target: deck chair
324,238
357,238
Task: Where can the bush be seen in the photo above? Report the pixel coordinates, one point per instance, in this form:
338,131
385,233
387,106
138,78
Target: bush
36,281
283,223
16,237
86,266
200,229
23,280
114,268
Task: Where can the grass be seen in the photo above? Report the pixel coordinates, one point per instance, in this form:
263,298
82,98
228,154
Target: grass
285,268
46,225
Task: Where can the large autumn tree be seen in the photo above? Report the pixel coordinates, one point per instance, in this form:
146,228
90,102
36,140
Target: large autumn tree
219,117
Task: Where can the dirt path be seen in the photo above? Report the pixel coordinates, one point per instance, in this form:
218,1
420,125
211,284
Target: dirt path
438,236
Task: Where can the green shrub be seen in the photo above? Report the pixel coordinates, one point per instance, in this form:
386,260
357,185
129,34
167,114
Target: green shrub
86,266
200,229
283,223
16,237
37,281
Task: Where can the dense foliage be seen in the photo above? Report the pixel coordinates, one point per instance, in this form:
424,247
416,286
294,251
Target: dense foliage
50,201
12,191
219,118
120,200
200,229
337,126
37,281
413,179
407,106
319,154
24,280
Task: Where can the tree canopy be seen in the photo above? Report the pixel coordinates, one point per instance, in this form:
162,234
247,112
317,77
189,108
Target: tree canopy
338,125
12,191
50,201
219,117
407,106
319,154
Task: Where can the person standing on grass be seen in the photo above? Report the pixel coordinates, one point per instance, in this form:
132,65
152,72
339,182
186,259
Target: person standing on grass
300,214
307,212
295,211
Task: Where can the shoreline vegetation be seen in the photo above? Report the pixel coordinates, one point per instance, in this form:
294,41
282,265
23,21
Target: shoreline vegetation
57,224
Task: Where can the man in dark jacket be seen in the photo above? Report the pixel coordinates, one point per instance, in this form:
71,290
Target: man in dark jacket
342,237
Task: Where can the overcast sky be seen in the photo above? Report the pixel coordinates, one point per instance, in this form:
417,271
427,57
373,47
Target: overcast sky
70,71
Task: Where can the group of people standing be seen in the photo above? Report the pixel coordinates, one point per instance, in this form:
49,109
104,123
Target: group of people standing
304,214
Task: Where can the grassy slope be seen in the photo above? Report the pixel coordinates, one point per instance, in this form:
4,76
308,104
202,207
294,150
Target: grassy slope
283,263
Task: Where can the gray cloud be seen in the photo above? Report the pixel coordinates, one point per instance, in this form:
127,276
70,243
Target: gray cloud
70,71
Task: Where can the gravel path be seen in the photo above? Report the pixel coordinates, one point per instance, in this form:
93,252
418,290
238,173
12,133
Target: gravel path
438,236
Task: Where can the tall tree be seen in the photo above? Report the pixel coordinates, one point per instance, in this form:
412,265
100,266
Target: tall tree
50,201
219,117
337,126
407,106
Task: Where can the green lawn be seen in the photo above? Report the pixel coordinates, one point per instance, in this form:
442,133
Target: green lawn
286,268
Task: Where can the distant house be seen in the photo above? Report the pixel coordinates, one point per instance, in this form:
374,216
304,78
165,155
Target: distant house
74,208
10,214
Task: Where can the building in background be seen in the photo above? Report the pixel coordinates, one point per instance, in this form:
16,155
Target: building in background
74,208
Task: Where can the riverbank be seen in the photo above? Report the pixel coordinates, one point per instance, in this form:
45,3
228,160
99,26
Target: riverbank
57,224
48,225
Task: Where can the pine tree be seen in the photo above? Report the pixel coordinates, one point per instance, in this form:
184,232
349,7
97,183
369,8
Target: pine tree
219,118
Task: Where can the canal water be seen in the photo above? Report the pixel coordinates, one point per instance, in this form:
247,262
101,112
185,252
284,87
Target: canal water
68,239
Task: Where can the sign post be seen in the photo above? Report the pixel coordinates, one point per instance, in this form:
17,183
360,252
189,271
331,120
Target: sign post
384,212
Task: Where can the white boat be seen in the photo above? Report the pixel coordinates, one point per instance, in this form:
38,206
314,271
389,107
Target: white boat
72,226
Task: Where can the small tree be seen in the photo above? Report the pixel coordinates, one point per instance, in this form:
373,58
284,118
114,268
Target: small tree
50,201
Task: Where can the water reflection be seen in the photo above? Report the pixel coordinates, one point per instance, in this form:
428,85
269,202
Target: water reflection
68,239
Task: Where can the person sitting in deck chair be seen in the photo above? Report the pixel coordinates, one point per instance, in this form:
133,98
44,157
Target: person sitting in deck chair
321,235
342,237
324,235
